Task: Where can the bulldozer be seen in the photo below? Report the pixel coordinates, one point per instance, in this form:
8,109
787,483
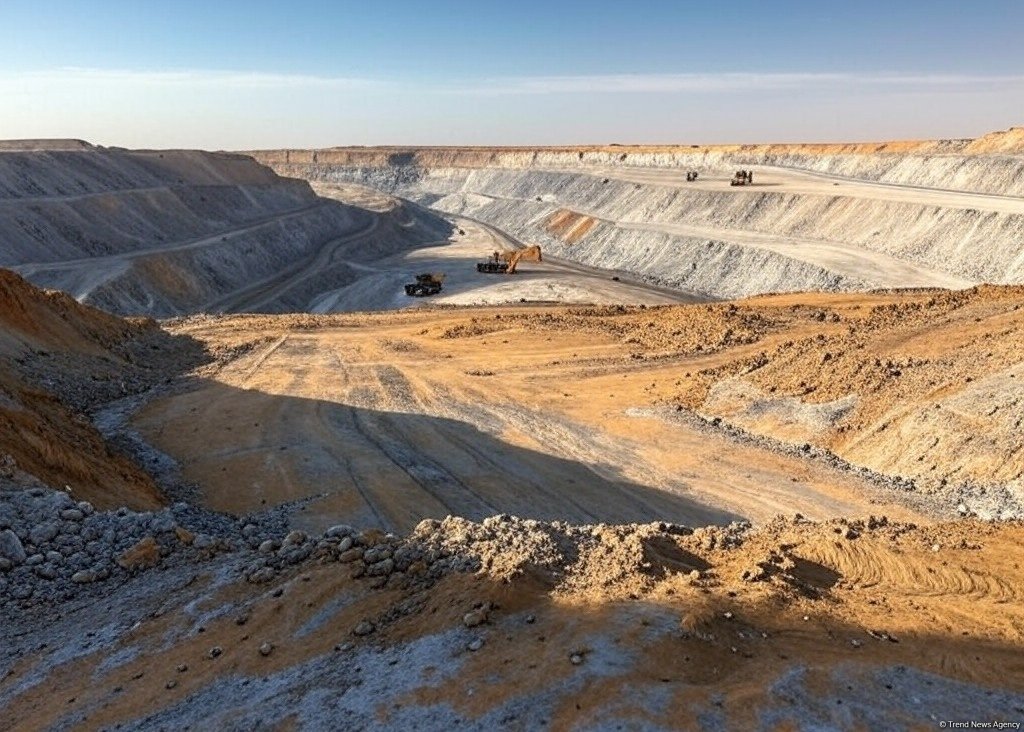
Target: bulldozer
742,178
507,261
426,284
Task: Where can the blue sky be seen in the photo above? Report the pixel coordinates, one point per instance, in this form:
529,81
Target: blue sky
228,74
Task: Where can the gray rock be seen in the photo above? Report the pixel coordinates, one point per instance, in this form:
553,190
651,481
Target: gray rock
381,569
203,541
72,514
295,554
476,644
345,544
340,531
377,553
262,575
11,547
294,538
266,649
351,555
68,545
46,571
44,533
365,627
35,560
268,547
249,531
85,576
163,524
86,508
6,564
54,557
70,528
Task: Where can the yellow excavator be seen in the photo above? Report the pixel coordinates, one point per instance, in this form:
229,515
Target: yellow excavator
507,261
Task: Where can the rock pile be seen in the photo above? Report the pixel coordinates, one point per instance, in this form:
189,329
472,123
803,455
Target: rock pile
51,545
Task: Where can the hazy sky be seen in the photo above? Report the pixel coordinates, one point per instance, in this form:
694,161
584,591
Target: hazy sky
232,74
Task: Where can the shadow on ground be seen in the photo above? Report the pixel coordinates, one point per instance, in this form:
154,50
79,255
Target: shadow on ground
250,450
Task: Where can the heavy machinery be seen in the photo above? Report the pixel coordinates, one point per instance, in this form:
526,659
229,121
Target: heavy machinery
742,178
426,284
691,175
507,261
494,265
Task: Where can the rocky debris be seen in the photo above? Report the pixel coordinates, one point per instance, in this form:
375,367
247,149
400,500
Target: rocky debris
477,616
52,547
363,628
85,576
142,555
475,645
11,548
266,649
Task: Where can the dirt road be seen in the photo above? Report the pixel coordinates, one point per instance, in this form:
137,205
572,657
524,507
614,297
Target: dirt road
385,419
379,286
79,277
789,180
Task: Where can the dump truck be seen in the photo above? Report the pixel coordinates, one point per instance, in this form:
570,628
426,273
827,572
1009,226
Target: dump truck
426,284
742,178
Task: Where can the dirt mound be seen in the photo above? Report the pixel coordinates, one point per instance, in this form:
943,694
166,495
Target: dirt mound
59,358
1009,141
40,319
920,385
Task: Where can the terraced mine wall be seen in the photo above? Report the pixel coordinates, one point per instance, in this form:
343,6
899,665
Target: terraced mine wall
595,206
176,231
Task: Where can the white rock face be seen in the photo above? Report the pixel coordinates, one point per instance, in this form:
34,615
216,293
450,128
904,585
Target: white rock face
810,222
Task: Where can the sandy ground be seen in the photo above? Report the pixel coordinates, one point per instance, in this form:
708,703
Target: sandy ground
633,409
385,419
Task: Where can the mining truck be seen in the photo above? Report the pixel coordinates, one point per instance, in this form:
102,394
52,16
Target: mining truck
425,284
742,178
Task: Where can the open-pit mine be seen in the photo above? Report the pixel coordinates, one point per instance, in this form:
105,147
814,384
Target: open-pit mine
615,437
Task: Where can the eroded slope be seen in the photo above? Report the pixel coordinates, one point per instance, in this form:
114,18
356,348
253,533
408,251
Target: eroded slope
176,231
841,217
58,359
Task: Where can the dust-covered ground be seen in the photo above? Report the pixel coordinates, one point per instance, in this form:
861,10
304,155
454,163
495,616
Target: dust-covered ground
518,624
573,498
826,405
544,473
